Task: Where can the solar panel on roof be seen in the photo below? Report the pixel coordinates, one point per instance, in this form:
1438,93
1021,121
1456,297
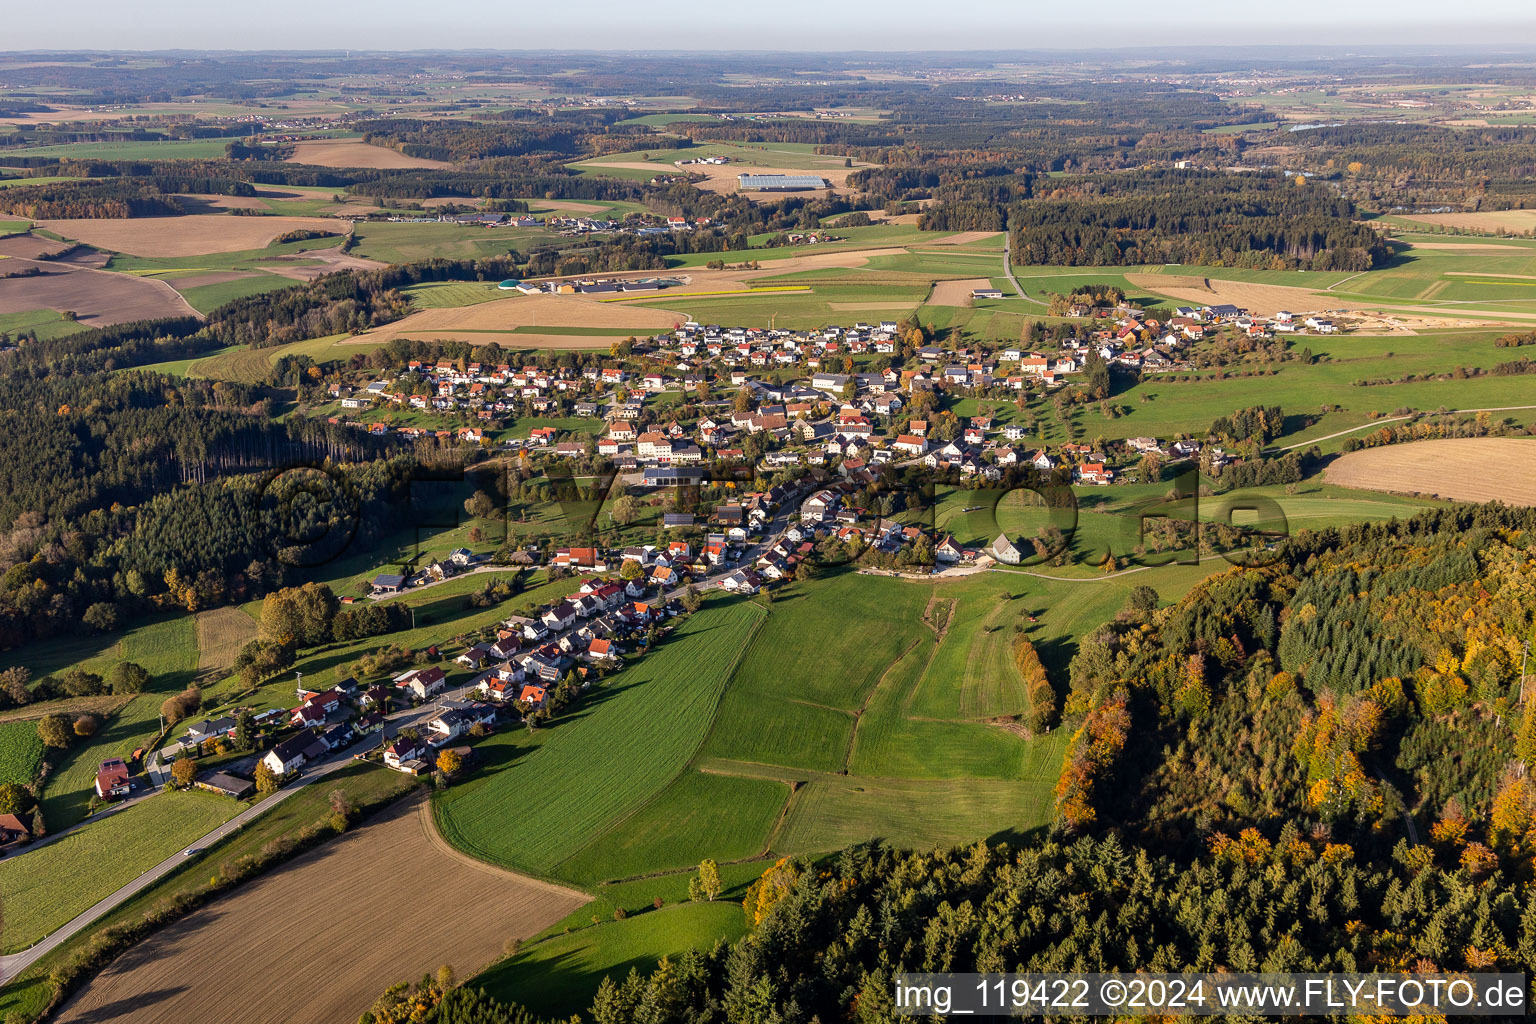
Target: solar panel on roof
781,181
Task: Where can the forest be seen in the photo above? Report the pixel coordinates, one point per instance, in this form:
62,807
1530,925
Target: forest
1261,220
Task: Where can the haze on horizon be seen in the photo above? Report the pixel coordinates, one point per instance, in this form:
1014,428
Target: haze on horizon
795,25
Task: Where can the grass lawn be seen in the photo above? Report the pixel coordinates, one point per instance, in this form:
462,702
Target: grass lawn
559,976
625,744
21,752
44,889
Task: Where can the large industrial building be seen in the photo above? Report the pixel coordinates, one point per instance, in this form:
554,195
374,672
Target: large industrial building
780,182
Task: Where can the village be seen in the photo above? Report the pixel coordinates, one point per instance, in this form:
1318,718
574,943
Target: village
847,397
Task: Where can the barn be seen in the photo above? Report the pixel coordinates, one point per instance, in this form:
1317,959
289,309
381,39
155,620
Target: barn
780,182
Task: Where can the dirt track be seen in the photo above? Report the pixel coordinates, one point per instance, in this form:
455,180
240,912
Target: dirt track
1464,469
317,941
192,235
354,153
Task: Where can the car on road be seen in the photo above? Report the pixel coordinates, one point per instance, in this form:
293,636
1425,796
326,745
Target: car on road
190,851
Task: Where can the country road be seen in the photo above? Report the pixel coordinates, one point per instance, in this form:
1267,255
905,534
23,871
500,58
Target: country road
15,963
1397,419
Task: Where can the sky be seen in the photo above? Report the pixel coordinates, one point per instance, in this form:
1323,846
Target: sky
759,24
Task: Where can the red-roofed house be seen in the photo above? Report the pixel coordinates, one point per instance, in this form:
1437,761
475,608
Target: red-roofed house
112,779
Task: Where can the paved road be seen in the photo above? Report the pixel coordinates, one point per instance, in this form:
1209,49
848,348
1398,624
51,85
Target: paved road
15,963
1008,267
1397,419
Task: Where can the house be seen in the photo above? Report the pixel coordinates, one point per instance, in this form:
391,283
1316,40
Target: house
676,520
1005,551
986,293
210,729
561,616
599,649
112,779
911,444
532,696
948,551
742,581
12,831
476,656
1093,473
447,727
422,683
227,784
293,753
406,755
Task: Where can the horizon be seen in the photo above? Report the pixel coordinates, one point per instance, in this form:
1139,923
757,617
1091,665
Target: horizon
795,26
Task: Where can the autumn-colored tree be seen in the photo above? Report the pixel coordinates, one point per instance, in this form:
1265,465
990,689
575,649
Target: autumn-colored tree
710,885
773,886
450,762
266,779
55,731
183,772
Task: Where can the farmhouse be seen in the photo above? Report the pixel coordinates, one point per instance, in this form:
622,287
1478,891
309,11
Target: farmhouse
1004,550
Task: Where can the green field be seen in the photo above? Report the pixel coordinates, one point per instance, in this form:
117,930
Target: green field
47,324
47,887
206,298
407,243
540,798
559,976
21,752
175,149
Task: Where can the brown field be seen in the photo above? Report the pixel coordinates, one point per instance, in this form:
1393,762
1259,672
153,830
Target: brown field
962,237
386,903
29,247
220,635
1484,246
193,235
103,705
98,297
1263,299
956,293
194,203
354,153
1487,220
502,315
1463,469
